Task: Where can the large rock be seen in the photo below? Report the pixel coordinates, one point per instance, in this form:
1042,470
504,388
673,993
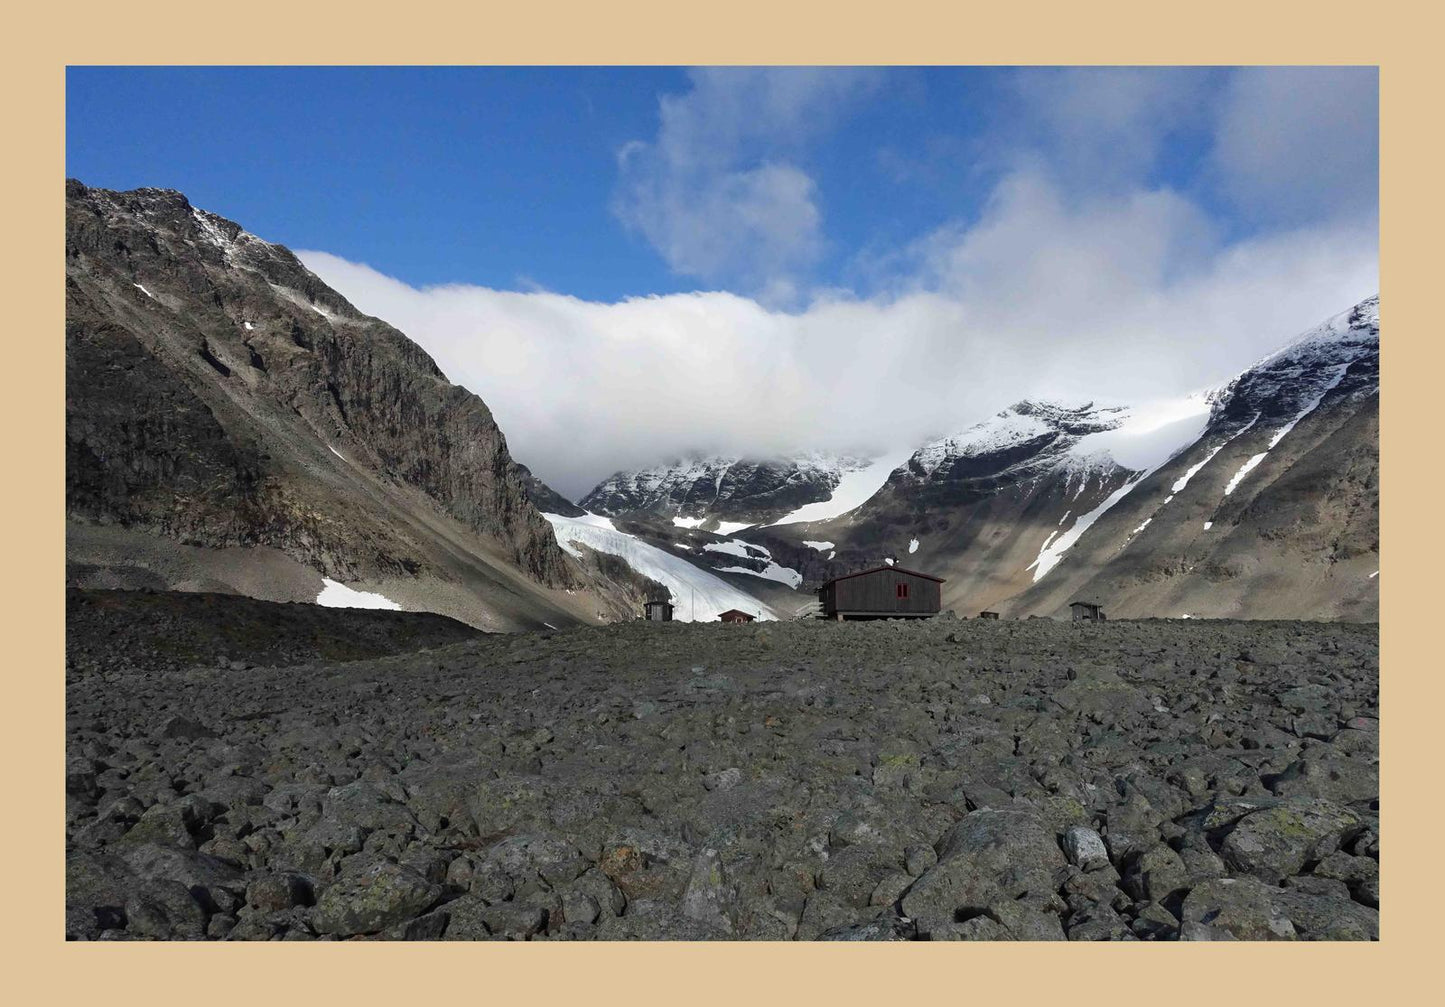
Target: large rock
1234,909
165,910
707,897
987,857
1273,843
1085,848
1344,781
369,898
525,858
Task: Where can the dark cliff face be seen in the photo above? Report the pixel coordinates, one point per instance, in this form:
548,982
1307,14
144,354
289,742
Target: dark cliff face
210,377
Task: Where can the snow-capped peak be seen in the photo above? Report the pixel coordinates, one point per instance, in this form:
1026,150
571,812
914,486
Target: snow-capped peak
727,490
1039,436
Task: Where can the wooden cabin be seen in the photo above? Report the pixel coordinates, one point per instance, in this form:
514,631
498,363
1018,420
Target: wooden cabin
883,592
988,615
1086,611
657,611
735,615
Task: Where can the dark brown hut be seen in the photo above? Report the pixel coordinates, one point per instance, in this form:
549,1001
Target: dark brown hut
883,592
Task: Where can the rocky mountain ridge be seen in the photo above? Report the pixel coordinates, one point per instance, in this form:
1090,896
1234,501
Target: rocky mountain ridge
220,397
707,489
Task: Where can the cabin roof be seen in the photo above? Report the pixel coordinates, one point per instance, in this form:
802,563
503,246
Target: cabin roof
658,601
736,611
879,569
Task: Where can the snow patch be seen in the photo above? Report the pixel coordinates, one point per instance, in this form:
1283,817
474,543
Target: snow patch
300,300
1183,480
1050,555
1244,470
781,574
688,522
820,546
854,490
1142,526
698,595
1150,433
733,527
737,547
1373,575
912,545
1065,517
338,454
143,290
249,326
337,595
1208,525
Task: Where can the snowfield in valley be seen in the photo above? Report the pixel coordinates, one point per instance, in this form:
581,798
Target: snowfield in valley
698,595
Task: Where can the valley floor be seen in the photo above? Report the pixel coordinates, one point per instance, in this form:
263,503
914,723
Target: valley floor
943,779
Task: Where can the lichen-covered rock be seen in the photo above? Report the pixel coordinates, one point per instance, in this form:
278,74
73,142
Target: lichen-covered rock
369,898
988,855
1235,909
1276,842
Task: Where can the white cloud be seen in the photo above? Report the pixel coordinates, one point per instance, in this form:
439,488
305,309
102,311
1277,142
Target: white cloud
1103,126
719,192
1080,278
1116,299
1297,142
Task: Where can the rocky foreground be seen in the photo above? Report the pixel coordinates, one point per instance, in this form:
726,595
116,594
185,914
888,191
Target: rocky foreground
944,780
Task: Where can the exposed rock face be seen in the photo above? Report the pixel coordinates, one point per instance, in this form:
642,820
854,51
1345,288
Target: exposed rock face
219,395
940,780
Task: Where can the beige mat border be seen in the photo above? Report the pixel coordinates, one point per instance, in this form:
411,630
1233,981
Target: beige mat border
44,38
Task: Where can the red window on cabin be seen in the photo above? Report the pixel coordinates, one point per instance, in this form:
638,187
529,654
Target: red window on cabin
903,590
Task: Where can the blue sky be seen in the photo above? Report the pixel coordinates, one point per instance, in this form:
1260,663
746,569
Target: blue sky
508,177
980,234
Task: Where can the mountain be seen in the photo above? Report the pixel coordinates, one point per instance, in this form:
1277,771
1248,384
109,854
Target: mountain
234,424
973,506
1256,498
1273,512
724,492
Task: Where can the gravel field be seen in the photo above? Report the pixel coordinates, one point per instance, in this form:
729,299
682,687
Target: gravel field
944,780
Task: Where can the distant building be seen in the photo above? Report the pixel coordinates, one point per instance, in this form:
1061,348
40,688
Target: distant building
735,615
988,615
1086,611
657,611
883,592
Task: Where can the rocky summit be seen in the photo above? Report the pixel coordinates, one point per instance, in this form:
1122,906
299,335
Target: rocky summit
939,780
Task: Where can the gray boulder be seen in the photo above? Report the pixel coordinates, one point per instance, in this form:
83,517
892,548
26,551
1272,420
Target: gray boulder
1234,909
989,856
1274,843
371,897
1085,848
